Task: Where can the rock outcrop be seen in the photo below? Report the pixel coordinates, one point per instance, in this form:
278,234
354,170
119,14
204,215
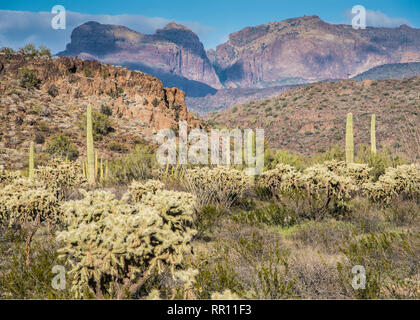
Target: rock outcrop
57,104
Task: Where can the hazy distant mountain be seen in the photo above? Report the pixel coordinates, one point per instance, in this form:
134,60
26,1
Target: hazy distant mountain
309,48
391,71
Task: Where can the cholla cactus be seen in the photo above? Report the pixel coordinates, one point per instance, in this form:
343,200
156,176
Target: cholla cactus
7,177
220,185
28,203
282,179
113,247
138,189
324,187
357,172
25,201
61,176
177,208
402,181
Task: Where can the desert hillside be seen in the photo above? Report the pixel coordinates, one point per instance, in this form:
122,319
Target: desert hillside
41,98
311,118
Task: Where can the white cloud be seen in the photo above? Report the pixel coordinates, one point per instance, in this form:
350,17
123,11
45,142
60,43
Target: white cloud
18,28
379,19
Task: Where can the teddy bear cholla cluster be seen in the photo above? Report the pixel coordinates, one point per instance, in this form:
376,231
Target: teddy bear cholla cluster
220,186
114,245
340,181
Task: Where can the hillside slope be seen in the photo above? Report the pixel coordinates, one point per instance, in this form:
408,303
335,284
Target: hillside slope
312,118
57,103
397,71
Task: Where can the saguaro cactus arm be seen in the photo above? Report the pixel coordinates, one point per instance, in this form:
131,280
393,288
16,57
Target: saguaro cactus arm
373,134
349,139
89,147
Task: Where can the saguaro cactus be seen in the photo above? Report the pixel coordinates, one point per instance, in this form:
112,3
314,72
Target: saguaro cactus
373,134
89,144
349,139
31,161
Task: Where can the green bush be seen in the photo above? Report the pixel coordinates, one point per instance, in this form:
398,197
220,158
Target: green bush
140,164
271,215
101,125
391,264
28,78
19,280
60,145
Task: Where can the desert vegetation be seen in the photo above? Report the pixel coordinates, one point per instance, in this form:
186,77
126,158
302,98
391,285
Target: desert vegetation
131,229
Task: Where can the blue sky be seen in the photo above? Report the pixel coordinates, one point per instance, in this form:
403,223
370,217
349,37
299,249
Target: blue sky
212,20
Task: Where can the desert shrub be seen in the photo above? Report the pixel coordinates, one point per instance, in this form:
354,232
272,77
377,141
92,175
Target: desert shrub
28,78
39,138
272,159
137,190
366,217
271,215
207,218
29,49
216,274
53,91
137,165
88,72
115,247
270,275
380,161
61,176
106,110
7,51
118,147
326,234
391,265
60,145
219,186
405,214
402,182
44,51
19,280
101,125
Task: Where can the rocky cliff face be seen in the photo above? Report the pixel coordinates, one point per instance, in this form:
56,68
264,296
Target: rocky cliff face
309,48
57,104
173,51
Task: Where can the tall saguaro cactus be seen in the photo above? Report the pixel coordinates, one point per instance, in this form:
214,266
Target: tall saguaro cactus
373,134
31,161
89,145
349,139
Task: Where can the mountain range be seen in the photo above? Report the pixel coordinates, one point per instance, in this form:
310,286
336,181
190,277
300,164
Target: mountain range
290,52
